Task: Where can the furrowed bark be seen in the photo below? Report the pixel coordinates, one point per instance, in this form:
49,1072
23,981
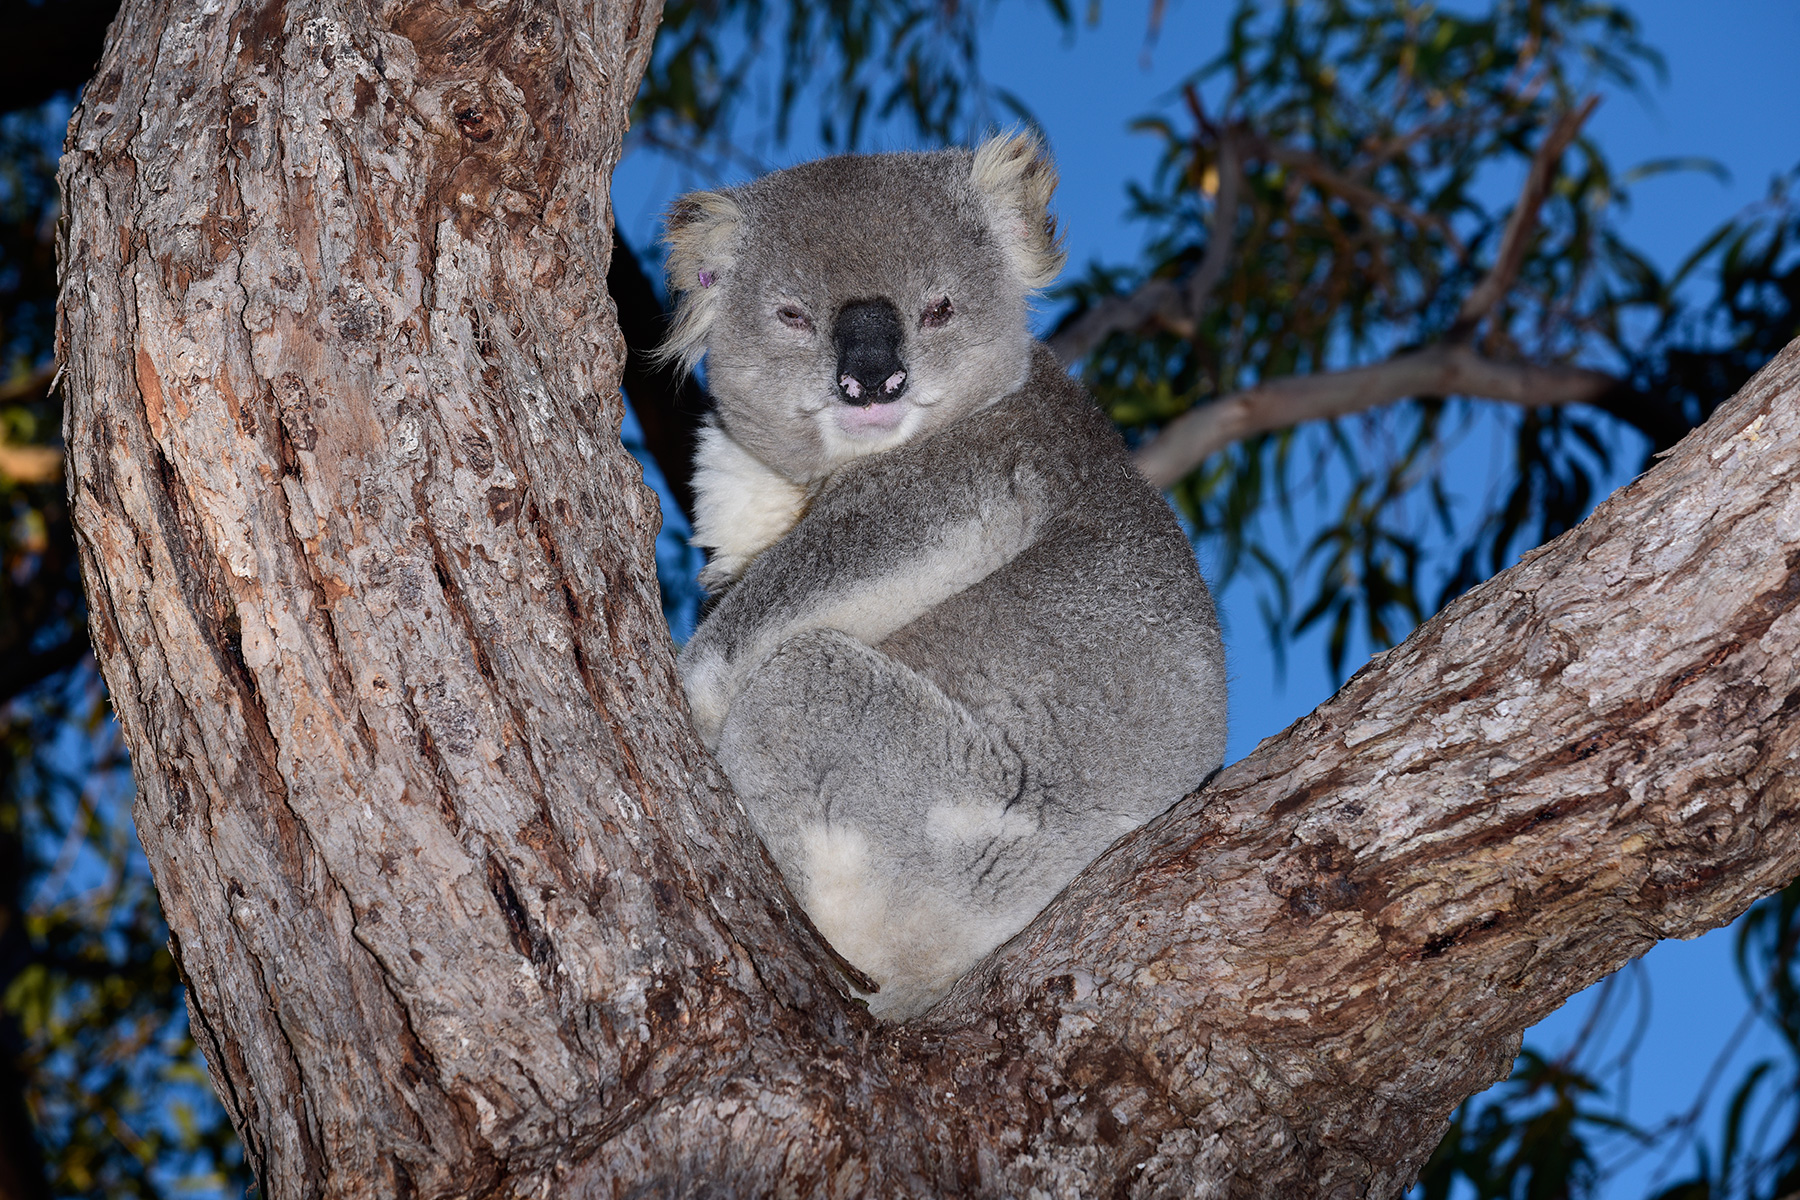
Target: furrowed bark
466,910
1301,969
452,883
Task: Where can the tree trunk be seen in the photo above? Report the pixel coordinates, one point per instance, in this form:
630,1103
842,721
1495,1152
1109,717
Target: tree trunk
465,909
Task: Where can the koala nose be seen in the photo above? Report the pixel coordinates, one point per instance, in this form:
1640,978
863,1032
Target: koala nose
867,336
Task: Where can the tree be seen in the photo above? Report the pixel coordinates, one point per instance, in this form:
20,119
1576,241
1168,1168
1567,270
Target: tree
464,909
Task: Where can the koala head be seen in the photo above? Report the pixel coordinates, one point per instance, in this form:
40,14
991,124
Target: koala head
847,305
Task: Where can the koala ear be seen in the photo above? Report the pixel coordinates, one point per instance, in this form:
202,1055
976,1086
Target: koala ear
702,232
1014,173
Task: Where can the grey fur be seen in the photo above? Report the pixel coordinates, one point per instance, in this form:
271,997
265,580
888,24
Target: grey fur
958,657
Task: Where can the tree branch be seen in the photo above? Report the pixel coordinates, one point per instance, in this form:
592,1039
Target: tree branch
464,907
30,464
1178,309
1161,300
1446,370
1154,298
26,670
1591,751
1517,237
1223,235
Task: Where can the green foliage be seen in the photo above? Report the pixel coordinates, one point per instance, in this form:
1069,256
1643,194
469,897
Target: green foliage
117,1089
1545,1133
1527,1142
856,62
1377,146
1698,354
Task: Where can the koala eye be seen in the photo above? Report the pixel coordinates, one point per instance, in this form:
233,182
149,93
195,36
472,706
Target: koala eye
794,318
937,315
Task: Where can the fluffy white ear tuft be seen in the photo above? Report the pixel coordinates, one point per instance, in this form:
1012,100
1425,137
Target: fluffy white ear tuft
702,232
1016,175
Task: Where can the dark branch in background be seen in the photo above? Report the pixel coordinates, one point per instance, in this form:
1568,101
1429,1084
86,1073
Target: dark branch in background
24,671
1447,370
1224,223
1357,195
1655,414
53,44
1280,403
1155,299
669,408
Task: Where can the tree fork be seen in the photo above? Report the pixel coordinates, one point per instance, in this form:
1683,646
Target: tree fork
466,910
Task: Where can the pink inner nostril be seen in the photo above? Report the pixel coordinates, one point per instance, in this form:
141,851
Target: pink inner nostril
851,388
892,382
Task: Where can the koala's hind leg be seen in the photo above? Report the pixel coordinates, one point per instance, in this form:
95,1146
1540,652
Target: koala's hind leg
901,823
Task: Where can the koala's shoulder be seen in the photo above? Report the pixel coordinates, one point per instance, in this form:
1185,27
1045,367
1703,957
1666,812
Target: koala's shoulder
1051,422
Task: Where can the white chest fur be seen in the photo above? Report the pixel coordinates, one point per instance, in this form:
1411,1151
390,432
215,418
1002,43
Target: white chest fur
741,507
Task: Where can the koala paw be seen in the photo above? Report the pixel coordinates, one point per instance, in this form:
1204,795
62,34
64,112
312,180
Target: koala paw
706,676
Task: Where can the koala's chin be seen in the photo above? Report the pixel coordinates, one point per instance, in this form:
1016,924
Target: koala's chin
849,431
958,645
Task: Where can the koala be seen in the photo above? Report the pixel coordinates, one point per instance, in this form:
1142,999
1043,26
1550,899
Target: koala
957,644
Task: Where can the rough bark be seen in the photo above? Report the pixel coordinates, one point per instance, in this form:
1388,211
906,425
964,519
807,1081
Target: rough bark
464,908
453,885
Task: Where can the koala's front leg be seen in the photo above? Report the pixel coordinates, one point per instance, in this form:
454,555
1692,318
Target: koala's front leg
907,828
707,676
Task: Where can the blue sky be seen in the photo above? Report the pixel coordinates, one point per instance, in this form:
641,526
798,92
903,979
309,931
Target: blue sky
1732,94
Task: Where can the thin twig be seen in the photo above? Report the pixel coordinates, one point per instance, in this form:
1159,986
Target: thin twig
1154,299
1223,234
1358,194
1449,370
1478,303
